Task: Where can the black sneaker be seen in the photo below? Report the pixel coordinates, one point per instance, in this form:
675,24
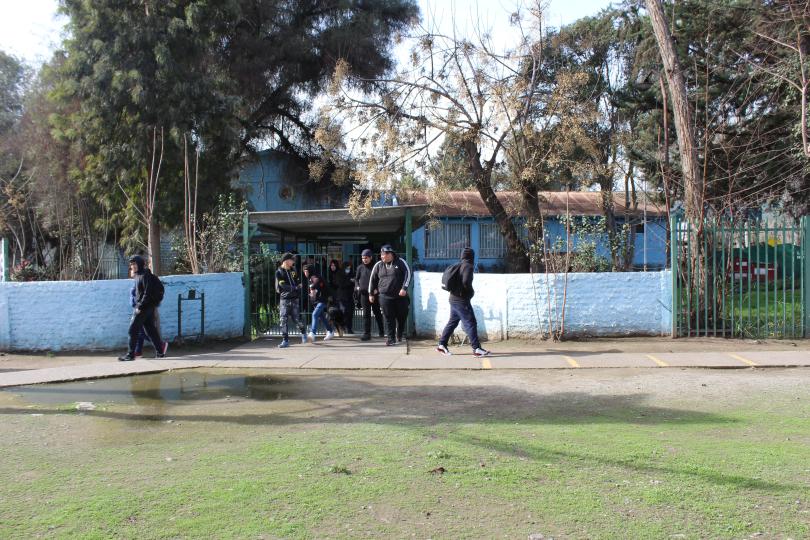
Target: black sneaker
162,352
126,358
390,343
365,337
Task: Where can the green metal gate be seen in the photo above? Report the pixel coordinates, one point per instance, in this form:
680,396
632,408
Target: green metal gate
742,279
263,311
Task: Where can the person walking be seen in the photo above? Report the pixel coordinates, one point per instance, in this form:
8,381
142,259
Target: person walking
288,287
391,277
149,294
317,297
346,296
361,281
133,301
461,309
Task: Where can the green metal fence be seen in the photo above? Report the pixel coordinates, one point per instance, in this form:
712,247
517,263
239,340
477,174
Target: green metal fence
743,279
263,299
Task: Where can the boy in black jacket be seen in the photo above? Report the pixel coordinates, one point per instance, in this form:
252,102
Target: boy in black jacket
461,309
361,282
288,287
391,277
149,293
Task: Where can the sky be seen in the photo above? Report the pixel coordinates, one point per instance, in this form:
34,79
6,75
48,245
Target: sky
32,29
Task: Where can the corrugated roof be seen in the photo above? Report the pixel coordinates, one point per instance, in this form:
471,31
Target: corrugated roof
553,203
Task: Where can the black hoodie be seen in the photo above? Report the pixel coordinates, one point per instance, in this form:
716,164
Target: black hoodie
466,271
148,288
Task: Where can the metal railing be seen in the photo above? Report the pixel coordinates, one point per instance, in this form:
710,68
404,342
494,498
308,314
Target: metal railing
744,279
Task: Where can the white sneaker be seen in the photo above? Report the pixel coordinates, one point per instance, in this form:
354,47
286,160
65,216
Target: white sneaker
443,349
328,336
480,352
311,337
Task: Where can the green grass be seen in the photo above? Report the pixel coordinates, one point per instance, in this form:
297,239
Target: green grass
595,468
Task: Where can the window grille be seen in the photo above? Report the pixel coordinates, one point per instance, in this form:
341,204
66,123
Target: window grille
492,244
446,240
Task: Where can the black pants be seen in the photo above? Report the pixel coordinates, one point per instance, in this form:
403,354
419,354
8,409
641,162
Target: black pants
367,308
346,306
461,312
144,320
395,309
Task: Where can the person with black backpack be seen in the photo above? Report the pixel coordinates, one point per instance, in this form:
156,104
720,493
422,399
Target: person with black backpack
457,280
149,293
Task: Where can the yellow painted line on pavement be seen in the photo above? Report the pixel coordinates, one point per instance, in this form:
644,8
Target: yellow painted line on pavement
743,360
485,364
657,360
571,361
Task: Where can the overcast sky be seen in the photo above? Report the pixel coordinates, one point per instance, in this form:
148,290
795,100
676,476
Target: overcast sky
31,29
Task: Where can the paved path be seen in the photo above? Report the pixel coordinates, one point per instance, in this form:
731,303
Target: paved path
352,354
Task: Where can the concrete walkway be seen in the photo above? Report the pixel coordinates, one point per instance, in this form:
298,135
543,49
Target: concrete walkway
349,353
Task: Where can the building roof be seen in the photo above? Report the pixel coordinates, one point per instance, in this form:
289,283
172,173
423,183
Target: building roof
385,219
553,203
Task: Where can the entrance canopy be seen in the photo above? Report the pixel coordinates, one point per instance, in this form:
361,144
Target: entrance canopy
384,219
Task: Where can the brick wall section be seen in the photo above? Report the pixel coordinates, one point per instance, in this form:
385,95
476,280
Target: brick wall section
519,305
87,315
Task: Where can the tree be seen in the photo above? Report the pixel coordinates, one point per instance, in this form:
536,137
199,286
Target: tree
682,112
230,76
455,88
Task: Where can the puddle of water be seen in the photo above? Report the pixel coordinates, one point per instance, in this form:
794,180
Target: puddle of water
169,387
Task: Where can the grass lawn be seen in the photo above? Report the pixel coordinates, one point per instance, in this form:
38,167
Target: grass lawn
657,453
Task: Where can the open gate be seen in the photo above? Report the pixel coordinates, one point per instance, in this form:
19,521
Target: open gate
741,279
264,301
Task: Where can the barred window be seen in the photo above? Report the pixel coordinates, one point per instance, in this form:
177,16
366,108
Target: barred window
446,240
491,242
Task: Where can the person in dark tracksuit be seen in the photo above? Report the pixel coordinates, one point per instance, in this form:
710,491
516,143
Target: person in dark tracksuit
391,276
149,294
361,281
133,301
288,287
461,309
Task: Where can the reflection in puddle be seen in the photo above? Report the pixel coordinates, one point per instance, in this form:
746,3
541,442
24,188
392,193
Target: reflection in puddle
156,389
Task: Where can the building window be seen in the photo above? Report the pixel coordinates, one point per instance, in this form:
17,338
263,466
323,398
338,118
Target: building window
492,244
446,240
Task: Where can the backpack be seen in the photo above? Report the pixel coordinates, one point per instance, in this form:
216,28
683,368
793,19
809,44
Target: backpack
159,289
451,279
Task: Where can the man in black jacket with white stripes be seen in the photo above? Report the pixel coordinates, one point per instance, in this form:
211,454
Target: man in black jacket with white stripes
391,276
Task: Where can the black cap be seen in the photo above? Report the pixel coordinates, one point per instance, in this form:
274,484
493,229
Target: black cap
386,249
366,253
287,257
467,254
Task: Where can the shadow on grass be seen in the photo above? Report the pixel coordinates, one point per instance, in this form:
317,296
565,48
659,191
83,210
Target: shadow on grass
353,399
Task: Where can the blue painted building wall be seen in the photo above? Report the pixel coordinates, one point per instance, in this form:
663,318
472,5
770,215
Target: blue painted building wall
654,256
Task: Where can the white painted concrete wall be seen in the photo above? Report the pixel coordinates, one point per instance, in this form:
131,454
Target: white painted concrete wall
86,315
522,305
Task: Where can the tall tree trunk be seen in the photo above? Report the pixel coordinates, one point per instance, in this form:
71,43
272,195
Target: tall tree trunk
681,110
516,258
154,246
530,196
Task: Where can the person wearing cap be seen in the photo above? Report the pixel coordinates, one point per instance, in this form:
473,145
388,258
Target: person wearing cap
361,281
288,287
317,298
391,277
461,309
148,295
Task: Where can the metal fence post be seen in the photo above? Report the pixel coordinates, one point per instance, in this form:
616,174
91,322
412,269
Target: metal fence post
246,272
673,264
4,260
806,275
